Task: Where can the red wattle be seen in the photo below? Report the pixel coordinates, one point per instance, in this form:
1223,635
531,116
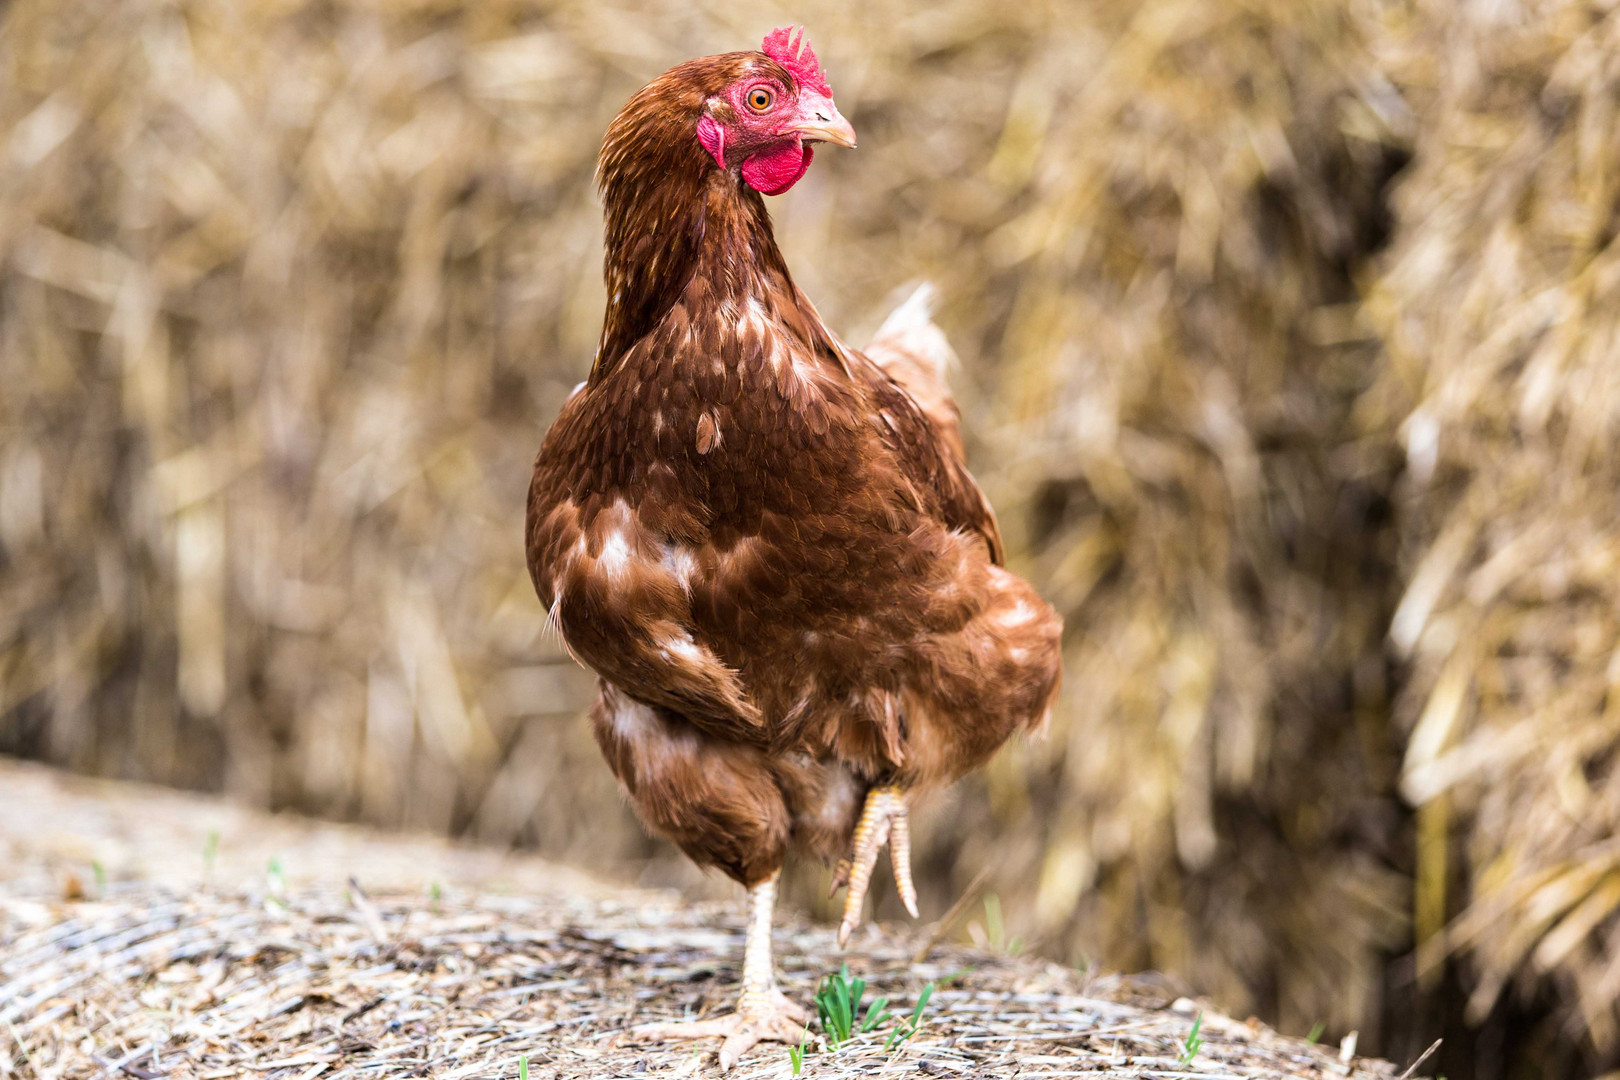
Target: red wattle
774,171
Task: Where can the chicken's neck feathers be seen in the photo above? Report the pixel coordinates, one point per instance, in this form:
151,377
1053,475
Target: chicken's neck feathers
682,232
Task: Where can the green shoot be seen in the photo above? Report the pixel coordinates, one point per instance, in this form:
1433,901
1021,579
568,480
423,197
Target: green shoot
876,1013
906,1028
796,1053
210,851
994,928
1193,1043
100,873
838,1005
1316,1032
276,885
922,1003
523,1067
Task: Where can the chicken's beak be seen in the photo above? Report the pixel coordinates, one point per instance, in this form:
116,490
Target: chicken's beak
820,121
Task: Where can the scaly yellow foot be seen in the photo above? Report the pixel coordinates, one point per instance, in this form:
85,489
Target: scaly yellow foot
764,1016
762,1012
883,820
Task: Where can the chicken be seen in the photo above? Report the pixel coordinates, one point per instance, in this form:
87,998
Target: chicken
765,543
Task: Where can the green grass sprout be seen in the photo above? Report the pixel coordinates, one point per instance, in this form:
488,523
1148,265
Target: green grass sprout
276,885
908,1027
838,1005
796,1053
876,1013
1193,1043
994,927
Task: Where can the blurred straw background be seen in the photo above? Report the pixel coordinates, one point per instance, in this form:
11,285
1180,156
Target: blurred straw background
1288,335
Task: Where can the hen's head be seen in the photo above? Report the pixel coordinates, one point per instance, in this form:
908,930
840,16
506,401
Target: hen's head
765,119
757,112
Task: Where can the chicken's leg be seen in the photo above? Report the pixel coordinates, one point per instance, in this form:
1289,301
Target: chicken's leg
882,819
762,1010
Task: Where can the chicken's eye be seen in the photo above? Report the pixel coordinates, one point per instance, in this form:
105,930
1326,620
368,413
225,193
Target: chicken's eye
759,99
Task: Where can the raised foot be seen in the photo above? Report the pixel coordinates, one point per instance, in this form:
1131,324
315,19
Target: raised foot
883,820
768,1016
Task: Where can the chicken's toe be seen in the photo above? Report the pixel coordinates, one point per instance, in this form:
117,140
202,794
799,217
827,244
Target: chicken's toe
767,1017
840,877
782,1022
675,1030
900,860
883,821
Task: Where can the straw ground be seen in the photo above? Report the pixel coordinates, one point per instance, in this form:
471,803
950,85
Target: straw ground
173,959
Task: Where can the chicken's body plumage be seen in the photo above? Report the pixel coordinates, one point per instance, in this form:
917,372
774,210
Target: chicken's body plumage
765,543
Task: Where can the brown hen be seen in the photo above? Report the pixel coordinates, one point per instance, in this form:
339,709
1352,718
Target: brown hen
765,543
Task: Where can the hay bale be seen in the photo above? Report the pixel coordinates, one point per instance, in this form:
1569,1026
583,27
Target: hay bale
286,288
1173,218
290,290
1498,306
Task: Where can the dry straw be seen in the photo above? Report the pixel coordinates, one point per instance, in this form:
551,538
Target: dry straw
289,290
1498,307
511,969
218,983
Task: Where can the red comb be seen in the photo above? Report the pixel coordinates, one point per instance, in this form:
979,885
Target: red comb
789,46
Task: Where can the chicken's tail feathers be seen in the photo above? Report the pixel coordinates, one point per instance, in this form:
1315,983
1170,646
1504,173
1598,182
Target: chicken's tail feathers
910,332
914,352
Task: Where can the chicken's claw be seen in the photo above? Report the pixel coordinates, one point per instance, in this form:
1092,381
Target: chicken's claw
766,1016
840,878
883,820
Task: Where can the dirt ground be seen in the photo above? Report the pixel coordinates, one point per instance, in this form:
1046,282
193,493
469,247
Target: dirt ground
149,933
